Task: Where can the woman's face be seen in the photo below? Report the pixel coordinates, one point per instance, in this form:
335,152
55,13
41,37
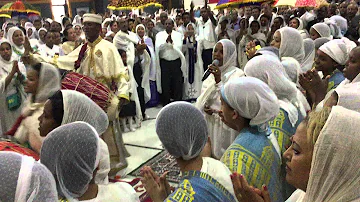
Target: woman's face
32,81
190,30
332,100
47,121
264,21
18,38
254,28
227,114
294,23
42,34
5,51
276,42
314,34
352,66
55,26
1,34
49,39
71,35
277,23
324,63
298,159
114,27
29,32
78,30
141,31
57,38
150,25
218,53
46,25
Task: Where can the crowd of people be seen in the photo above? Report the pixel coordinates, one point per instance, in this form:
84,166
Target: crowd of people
260,103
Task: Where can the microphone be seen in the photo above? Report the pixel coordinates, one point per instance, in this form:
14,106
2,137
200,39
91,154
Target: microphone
207,72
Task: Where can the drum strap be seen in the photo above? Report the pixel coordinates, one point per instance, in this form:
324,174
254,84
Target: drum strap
81,56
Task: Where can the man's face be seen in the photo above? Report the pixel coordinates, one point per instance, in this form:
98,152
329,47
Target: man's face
169,25
255,13
123,24
163,18
203,13
186,19
91,30
37,25
352,9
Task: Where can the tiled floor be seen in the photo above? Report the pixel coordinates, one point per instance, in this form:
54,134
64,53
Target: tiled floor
143,144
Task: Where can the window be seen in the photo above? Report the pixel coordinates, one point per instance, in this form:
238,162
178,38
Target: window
58,9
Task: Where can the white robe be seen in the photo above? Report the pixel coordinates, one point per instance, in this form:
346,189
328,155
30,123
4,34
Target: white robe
192,91
45,51
177,46
7,117
221,135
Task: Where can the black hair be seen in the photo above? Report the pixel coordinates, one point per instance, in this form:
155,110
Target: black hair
185,13
23,30
51,31
280,18
37,20
121,51
66,31
65,19
112,23
131,19
57,102
256,7
265,16
37,67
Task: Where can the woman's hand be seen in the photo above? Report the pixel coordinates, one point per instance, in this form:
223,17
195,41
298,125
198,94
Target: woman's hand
251,49
157,187
15,68
216,72
208,110
27,46
315,87
246,193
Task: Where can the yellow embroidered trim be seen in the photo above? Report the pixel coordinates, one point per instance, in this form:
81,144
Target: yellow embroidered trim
92,58
124,96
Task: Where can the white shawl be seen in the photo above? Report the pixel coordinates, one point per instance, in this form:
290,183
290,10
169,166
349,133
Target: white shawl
177,46
335,174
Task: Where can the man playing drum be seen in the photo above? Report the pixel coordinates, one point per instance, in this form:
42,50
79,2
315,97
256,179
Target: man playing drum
100,60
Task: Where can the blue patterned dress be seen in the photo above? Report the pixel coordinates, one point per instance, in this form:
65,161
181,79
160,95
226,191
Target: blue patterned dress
253,155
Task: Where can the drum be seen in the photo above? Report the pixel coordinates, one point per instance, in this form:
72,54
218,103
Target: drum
95,90
6,145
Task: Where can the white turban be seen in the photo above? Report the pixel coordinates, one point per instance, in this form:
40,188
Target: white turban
323,30
24,179
334,174
182,129
88,17
338,50
256,101
292,44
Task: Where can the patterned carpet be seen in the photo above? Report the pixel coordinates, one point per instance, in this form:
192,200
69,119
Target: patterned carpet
161,163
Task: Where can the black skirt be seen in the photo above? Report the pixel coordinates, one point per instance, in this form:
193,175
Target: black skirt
128,110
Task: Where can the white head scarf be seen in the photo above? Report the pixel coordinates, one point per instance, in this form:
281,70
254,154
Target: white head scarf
4,63
323,30
229,56
49,82
341,23
41,29
292,44
182,129
256,101
136,29
25,180
309,47
334,28
335,174
77,19
349,96
301,23
338,50
33,35
71,152
105,21
292,68
10,34
270,70
79,107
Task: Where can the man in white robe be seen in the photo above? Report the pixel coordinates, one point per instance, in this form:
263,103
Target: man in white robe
102,62
172,64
